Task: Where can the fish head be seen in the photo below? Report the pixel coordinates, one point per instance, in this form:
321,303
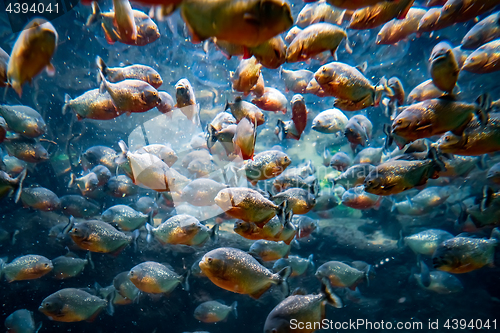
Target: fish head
52,306
241,227
79,232
276,324
441,52
44,265
155,79
224,199
477,60
211,264
404,122
373,185
324,75
150,96
449,142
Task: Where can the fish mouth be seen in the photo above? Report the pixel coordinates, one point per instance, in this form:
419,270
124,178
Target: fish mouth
438,57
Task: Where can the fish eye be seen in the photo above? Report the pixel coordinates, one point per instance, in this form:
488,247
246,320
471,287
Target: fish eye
324,69
209,259
274,330
400,121
46,265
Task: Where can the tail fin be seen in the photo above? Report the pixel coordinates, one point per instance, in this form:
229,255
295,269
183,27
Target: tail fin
212,136
19,185
283,276
122,158
214,233
433,155
67,228
282,211
281,131
233,308
102,82
389,139
483,103
103,68
185,280
310,260
487,197
150,235
67,100
96,14
425,276
135,237
330,296
89,259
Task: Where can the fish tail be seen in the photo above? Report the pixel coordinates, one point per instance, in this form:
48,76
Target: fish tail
330,296
185,279
310,259
13,237
495,235
487,197
103,83
89,259
71,180
122,158
212,136
282,211
135,238
234,309
425,276
102,67
19,185
282,279
438,164
67,228
389,138
67,100
462,217
96,14
281,130
214,233
110,309
150,235
484,106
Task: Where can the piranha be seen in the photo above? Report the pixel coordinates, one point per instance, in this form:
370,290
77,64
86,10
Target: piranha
465,254
237,271
98,236
182,229
340,274
214,311
444,67
125,23
426,242
315,39
73,305
351,88
395,176
28,267
248,23
136,72
266,165
155,278
305,310
130,95
32,52
248,205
